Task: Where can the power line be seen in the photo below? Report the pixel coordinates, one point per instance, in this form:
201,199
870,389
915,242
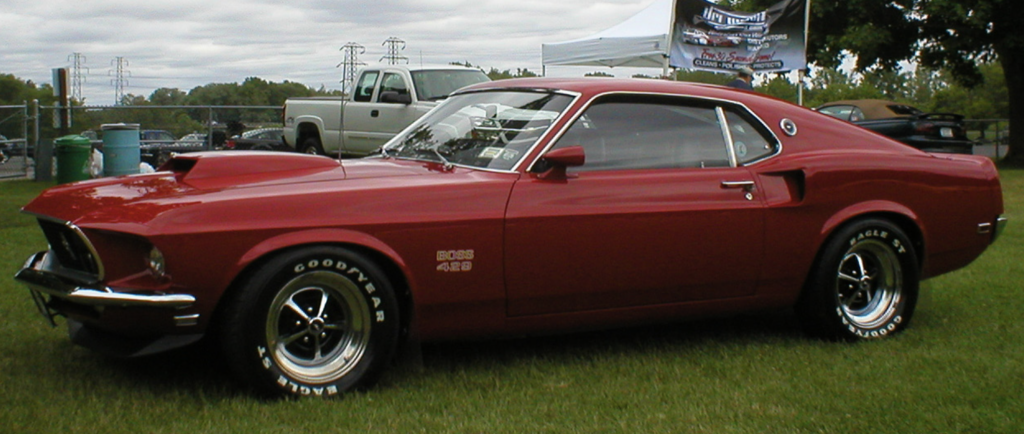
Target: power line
350,64
394,46
119,81
77,78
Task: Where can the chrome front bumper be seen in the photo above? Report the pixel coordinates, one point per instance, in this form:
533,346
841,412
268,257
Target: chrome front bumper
42,274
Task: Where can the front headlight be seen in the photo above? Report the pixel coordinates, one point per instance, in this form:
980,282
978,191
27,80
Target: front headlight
157,266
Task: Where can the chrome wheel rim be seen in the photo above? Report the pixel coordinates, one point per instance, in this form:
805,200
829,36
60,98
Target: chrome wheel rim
318,327
870,284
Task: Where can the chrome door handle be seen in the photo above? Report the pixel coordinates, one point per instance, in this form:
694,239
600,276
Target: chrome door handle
746,185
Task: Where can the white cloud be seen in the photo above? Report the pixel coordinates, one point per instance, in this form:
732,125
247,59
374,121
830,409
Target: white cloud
187,43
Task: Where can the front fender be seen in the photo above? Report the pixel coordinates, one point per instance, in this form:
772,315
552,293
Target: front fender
320,236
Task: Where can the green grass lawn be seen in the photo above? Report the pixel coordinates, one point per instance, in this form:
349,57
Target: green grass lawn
959,368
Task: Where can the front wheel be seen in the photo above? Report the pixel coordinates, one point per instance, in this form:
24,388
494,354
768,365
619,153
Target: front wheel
864,285
317,321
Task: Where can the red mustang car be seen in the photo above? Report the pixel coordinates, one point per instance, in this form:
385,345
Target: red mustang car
515,207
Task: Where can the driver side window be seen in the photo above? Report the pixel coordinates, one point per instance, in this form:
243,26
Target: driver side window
394,83
648,133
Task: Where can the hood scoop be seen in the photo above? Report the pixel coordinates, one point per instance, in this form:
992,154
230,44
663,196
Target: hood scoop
244,166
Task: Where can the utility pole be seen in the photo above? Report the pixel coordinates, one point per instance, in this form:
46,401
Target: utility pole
77,65
119,81
394,46
350,64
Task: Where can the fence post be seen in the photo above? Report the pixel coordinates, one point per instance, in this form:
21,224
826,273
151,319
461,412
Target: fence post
209,130
25,134
43,154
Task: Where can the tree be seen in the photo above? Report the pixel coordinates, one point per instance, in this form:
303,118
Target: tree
955,35
598,74
495,74
702,76
14,91
167,96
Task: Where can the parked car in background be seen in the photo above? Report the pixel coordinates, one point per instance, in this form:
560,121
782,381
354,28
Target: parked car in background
261,139
515,207
154,146
930,132
5,149
158,146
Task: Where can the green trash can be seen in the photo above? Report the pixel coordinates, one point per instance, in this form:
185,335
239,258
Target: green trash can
72,158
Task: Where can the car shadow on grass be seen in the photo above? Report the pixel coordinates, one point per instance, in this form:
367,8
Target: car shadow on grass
199,370
738,331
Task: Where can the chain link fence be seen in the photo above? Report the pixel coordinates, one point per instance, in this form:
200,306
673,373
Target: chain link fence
15,160
991,136
30,129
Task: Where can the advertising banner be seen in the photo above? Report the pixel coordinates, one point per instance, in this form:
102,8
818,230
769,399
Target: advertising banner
707,36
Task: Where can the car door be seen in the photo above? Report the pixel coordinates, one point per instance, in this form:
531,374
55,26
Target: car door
659,213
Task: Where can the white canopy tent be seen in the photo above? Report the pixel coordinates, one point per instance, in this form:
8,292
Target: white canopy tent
641,41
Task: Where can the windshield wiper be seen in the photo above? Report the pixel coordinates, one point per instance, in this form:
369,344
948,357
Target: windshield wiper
445,164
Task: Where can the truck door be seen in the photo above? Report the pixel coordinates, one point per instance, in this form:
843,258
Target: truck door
369,124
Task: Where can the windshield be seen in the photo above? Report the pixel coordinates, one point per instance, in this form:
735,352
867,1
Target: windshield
433,85
491,130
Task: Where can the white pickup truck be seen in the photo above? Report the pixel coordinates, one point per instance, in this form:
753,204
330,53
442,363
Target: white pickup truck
384,101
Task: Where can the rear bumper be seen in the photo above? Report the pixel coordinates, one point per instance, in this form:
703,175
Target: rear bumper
1000,226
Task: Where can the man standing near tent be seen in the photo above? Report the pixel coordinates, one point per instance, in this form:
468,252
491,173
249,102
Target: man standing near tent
744,78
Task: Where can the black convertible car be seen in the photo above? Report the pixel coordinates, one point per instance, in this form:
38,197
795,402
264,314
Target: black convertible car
930,132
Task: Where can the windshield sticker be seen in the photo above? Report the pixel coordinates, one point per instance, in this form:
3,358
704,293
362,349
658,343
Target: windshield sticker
490,153
493,153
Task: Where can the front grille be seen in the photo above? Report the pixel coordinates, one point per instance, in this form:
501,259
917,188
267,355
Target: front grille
71,248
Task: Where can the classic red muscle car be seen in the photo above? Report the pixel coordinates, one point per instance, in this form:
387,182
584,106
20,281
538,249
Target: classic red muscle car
515,207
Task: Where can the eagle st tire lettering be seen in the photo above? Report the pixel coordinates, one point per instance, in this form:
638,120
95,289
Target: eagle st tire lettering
864,285
312,322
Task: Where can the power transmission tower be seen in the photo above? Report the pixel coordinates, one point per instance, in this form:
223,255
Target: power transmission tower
119,81
350,64
394,46
77,78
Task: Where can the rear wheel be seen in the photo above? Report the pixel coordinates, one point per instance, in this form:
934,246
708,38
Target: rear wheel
864,285
311,145
317,321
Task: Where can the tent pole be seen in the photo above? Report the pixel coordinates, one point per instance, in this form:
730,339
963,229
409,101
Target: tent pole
807,34
800,88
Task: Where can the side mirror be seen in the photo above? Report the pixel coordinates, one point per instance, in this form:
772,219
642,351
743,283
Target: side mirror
553,164
390,96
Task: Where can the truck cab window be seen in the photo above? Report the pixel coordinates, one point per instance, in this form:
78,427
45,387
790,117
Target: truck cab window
364,90
394,83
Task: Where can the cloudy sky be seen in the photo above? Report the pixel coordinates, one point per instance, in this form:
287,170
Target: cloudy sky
187,43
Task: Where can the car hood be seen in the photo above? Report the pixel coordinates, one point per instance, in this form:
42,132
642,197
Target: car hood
203,178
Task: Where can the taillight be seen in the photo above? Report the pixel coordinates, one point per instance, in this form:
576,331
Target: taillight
925,128
229,144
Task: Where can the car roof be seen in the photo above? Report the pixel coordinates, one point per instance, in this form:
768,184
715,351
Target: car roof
601,85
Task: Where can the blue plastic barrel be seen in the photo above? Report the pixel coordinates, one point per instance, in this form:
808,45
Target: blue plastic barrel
120,149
